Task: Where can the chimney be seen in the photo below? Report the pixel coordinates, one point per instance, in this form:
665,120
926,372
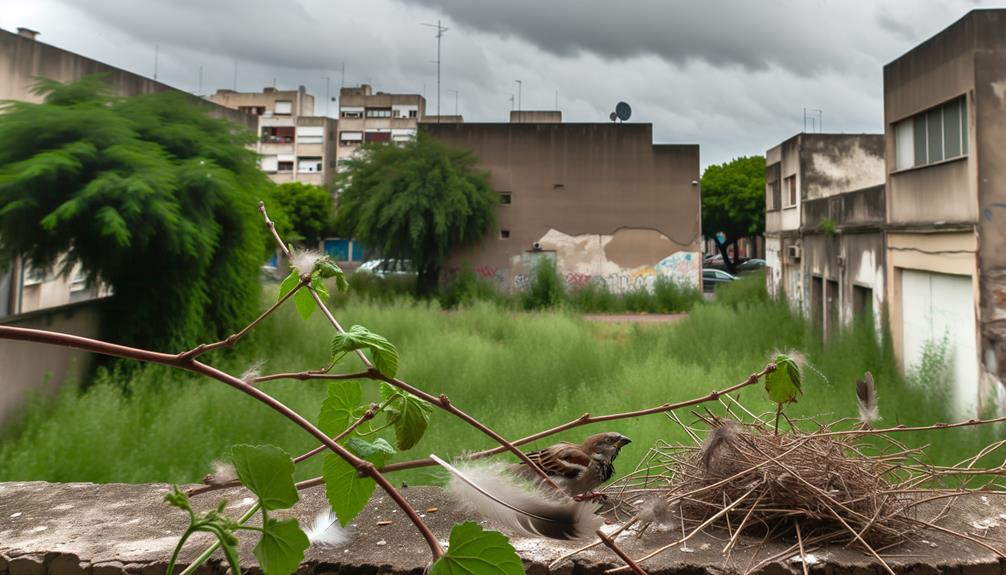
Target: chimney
27,33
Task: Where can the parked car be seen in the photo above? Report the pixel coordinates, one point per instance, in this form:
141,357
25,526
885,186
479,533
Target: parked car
712,277
751,265
386,268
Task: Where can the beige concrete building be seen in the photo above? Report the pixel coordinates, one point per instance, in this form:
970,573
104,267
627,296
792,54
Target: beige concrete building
23,60
945,123
602,200
294,144
824,237
365,116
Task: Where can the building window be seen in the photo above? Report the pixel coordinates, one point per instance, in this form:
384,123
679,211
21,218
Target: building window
284,166
505,198
773,187
309,165
377,137
378,112
790,184
351,114
938,134
33,275
310,134
413,113
283,108
504,234
350,138
252,110
277,134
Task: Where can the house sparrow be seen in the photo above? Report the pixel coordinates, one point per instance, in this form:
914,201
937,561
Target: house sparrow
578,469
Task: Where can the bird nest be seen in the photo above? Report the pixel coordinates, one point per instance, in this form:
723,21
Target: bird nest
841,484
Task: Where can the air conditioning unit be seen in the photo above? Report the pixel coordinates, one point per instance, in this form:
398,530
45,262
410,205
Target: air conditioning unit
793,251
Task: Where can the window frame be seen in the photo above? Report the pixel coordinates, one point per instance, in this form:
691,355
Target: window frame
922,143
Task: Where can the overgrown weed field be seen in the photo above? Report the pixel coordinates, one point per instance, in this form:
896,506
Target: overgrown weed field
518,372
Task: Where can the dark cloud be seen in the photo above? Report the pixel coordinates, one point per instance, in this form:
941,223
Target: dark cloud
730,75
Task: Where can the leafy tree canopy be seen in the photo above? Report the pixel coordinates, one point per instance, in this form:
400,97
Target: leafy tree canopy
417,202
150,194
733,201
308,209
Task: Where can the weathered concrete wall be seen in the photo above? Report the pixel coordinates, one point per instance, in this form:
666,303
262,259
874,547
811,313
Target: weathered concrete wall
601,199
990,135
87,529
24,60
29,368
836,163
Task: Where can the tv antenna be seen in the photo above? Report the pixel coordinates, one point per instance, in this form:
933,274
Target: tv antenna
819,120
440,34
622,112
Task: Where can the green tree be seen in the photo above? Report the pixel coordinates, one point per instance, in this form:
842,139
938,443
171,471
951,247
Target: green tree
150,194
733,203
308,209
417,202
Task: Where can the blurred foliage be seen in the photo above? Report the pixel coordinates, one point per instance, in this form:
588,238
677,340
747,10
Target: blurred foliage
733,200
417,202
308,210
150,194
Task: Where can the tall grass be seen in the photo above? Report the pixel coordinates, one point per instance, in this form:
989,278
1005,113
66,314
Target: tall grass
517,372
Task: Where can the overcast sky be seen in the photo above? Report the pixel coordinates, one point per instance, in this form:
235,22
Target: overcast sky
733,76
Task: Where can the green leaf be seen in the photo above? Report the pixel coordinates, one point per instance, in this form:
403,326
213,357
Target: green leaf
475,551
326,268
288,284
784,384
338,409
304,302
409,414
383,353
282,547
268,471
319,286
366,449
347,492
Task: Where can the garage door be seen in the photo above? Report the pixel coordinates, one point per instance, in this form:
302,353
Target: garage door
936,305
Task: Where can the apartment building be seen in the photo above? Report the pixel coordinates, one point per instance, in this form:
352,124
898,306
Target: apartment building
23,60
945,123
365,116
294,145
824,226
600,199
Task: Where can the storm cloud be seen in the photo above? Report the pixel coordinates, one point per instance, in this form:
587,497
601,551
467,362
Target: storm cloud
733,76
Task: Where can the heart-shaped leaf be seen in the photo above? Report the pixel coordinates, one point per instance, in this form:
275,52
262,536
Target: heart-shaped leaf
409,415
475,551
383,353
268,472
282,547
338,409
784,384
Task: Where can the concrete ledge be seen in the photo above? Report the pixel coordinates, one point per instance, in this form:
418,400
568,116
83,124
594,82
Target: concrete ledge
117,529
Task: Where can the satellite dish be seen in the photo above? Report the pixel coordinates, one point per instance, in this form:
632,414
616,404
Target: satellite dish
612,116
623,111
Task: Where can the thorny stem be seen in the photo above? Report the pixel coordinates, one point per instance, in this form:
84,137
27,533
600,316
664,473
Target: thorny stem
621,554
443,402
230,340
362,466
587,419
367,415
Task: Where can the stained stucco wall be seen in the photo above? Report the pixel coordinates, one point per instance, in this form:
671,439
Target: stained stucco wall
600,199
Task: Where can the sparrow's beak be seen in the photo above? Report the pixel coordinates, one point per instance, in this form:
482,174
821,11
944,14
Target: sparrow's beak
623,440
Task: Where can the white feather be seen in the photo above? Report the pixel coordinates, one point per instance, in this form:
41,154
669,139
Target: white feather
325,530
490,491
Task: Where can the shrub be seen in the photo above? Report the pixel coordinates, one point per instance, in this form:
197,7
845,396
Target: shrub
747,289
670,296
467,288
547,290
594,297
